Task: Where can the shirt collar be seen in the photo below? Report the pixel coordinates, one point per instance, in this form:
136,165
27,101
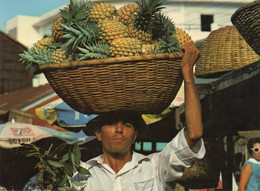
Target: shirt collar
254,161
136,158
97,160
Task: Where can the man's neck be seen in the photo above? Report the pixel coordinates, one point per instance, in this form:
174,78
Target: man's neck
117,160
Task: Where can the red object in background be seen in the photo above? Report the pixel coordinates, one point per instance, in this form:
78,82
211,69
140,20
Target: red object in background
37,120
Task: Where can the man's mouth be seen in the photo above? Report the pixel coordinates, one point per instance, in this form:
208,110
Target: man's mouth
118,139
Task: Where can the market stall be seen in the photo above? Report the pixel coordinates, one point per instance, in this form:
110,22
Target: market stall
230,105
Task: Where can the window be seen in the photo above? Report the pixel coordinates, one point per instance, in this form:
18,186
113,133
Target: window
138,146
160,146
143,146
206,21
147,146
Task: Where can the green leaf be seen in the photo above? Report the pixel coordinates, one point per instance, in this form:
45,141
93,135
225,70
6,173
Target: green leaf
65,157
44,163
68,170
55,163
83,170
35,154
74,165
77,154
59,148
63,181
48,169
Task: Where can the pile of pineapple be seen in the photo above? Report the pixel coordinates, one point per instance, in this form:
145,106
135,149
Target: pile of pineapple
86,31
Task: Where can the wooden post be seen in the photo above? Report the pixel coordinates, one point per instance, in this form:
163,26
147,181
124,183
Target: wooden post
228,171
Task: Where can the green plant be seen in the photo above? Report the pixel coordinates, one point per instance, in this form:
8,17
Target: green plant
55,168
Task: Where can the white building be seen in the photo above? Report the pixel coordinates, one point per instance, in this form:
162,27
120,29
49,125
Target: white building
197,17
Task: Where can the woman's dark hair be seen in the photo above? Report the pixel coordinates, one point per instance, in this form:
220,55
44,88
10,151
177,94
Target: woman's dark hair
113,117
251,143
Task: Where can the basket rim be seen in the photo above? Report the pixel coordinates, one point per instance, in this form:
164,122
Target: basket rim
112,60
248,5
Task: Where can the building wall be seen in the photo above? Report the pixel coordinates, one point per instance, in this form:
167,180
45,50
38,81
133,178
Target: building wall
22,29
185,14
13,75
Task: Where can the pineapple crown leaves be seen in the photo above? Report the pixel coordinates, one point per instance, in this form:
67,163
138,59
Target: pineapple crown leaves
54,167
78,35
162,26
34,57
48,44
147,9
95,51
167,45
76,11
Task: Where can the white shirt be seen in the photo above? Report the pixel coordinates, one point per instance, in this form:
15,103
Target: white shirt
155,172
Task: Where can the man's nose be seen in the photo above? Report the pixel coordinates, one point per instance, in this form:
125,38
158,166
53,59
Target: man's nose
119,128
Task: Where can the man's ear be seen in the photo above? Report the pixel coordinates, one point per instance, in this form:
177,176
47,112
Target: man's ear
98,135
134,137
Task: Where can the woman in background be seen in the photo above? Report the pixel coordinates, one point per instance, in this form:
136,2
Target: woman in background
250,174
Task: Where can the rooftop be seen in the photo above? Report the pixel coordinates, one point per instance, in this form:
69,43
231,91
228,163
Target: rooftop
23,97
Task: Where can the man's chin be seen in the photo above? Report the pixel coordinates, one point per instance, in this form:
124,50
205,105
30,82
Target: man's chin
119,151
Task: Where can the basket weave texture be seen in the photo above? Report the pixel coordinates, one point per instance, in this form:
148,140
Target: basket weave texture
247,21
147,84
224,50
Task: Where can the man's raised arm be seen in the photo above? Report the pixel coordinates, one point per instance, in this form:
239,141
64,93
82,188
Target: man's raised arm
194,127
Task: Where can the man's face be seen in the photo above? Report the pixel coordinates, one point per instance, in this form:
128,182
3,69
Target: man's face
117,138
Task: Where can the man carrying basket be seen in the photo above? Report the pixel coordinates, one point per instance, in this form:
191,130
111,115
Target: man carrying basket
120,168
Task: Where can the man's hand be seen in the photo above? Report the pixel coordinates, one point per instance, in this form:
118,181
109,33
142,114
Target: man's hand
189,60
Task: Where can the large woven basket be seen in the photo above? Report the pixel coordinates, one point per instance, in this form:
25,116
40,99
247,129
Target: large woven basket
224,50
146,83
247,21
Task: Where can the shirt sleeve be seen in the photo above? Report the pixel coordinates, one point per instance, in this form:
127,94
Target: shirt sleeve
176,156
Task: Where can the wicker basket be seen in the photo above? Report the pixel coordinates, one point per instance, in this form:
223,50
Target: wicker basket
205,172
247,21
146,83
224,50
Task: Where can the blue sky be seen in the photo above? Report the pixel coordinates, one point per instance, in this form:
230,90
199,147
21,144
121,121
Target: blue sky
12,8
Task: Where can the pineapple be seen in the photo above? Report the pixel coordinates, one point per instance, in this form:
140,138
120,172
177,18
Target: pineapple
167,45
60,56
147,9
77,12
162,26
141,27
87,31
182,36
111,29
163,29
56,30
100,11
77,36
149,48
144,37
44,42
125,47
126,13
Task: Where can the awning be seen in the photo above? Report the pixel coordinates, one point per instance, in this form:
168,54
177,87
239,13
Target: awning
12,135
